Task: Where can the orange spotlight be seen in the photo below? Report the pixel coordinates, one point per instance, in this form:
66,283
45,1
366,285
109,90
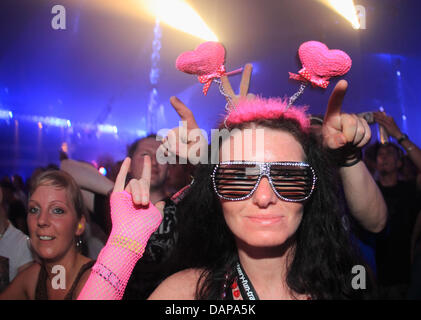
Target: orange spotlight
346,9
179,15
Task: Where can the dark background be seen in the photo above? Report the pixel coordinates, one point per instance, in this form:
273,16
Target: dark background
97,70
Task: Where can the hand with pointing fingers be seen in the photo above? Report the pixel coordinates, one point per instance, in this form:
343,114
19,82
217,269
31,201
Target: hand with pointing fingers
341,129
344,134
132,214
180,140
134,220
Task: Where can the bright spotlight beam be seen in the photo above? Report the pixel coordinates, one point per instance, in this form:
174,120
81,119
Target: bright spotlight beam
346,9
179,15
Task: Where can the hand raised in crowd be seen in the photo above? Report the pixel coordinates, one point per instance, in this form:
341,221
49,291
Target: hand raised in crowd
134,220
131,202
340,129
388,123
344,134
180,140
137,188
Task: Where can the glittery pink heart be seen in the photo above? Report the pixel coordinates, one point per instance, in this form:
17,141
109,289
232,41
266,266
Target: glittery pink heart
321,62
205,59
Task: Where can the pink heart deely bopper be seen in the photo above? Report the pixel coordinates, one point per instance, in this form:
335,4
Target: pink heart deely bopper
320,63
206,61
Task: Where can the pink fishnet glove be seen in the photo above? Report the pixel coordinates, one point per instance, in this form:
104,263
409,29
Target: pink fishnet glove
132,227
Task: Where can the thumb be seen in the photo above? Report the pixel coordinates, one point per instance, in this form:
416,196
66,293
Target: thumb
160,206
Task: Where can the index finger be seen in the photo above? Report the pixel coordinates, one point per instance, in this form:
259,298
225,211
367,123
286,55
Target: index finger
120,181
185,113
335,100
146,172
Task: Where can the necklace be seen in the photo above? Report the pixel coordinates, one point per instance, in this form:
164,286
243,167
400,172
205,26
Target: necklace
242,286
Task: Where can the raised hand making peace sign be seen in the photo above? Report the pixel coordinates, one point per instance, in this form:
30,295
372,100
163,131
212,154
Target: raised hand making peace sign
340,129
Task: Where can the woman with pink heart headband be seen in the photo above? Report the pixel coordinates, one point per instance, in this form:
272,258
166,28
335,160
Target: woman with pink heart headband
258,219
241,233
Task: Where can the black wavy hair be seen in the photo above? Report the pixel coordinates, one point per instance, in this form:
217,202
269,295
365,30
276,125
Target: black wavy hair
323,257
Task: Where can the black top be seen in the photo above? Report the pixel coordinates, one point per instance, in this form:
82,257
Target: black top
393,244
41,288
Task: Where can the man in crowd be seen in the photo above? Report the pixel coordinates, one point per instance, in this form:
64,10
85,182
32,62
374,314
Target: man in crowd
393,245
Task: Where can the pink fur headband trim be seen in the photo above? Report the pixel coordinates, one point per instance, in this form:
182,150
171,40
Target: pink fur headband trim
248,110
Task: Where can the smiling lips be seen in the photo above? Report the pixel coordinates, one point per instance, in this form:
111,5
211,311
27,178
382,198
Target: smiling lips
46,238
265,219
